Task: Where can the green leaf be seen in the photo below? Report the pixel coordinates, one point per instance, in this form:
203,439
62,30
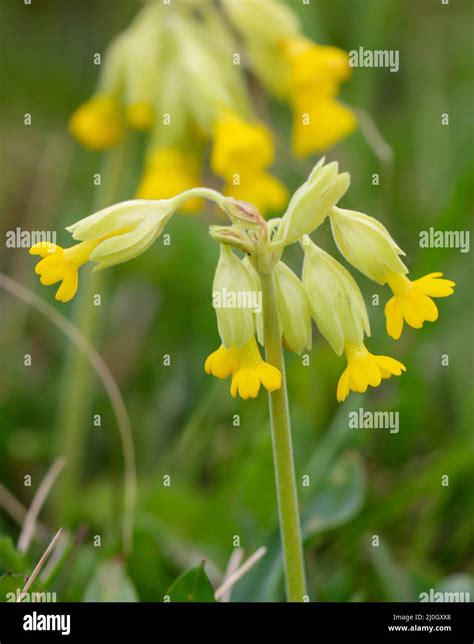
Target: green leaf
111,584
10,559
11,583
192,586
338,499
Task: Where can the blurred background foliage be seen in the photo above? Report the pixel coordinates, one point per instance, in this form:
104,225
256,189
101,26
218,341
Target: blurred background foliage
362,482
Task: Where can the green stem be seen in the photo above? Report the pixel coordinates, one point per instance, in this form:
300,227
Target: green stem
283,450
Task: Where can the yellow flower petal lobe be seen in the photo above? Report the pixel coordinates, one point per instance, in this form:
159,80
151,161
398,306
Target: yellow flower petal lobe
365,369
411,301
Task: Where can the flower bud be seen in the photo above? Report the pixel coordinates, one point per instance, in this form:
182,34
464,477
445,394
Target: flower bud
232,236
294,309
312,202
130,227
233,300
366,244
336,302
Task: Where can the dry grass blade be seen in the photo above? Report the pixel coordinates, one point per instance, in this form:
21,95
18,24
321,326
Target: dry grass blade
29,524
240,572
40,564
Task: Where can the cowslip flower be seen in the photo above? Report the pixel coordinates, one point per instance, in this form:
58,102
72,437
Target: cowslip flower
98,123
247,368
110,236
364,369
62,265
339,311
241,154
316,72
369,247
239,355
412,303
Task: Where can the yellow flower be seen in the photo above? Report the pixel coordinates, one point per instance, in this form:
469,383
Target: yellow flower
313,65
261,189
223,362
411,301
98,123
246,367
240,146
62,265
168,172
319,120
141,115
364,369
319,124
253,372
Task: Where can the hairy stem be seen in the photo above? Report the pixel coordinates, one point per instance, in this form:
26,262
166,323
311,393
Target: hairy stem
283,450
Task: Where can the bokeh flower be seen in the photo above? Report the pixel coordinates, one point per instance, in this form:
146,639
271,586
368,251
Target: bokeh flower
173,75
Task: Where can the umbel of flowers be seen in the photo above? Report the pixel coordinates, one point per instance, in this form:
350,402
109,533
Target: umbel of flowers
178,73
251,251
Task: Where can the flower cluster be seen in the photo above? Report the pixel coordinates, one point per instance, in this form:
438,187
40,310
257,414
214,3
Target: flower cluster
178,72
326,293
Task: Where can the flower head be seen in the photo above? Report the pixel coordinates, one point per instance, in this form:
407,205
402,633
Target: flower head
411,301
98,123
364,369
